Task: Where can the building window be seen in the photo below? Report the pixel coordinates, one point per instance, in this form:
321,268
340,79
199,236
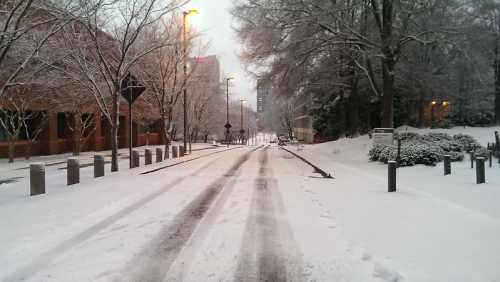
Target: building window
61,125
3,134
104,126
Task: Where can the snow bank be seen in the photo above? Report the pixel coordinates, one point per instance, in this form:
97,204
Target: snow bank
434,228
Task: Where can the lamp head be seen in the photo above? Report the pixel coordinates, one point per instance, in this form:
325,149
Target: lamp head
191,12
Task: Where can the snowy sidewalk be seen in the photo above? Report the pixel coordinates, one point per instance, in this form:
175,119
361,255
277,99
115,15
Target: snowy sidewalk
434,228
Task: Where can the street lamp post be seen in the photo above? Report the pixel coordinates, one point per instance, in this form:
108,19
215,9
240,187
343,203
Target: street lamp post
185,14
228,125
242,131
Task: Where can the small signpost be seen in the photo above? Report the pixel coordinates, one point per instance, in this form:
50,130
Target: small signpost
384,136
228,132
131,89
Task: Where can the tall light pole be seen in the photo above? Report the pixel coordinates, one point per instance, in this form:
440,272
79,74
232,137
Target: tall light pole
227,125
242,131
185,14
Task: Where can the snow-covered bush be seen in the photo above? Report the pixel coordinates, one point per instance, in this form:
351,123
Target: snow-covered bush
436,137
388,153
450,146
427,149
374,152
482,152
409,136
456,156
468,142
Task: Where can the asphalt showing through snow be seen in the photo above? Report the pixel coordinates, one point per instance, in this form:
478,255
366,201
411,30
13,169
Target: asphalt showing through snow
268,251
50,255
264,253
153,263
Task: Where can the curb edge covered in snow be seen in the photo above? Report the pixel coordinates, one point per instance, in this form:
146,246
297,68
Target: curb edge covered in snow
316,169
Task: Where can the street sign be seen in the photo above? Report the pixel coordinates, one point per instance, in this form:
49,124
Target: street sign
131,88
228,125
383,136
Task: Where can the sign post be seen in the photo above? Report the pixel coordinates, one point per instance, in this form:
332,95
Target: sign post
131,89
384,136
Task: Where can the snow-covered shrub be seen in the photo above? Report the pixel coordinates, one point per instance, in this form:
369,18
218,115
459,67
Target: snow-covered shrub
427,149
374,152
409,136
450,146
436,137
468,142
456,156
428,154
388,153
482,152
408,155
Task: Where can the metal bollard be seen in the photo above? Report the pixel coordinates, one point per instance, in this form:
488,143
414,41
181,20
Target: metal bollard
37,179
135,159
167,153
148,157
447,165
480,175
174,152
471,154
392,175
73,171
98,166
491,159
398,158
182,151
159,155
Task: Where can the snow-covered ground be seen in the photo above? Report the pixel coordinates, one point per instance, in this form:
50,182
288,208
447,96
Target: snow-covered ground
435,228
55,164
257,214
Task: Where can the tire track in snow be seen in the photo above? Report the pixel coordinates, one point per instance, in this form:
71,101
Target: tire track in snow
154,261
46,258
268,251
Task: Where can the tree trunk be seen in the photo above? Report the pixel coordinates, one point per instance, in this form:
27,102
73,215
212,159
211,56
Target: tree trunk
389,89
27,152
12,150
497,81
421,109
77,133
114,133
353,105
388,64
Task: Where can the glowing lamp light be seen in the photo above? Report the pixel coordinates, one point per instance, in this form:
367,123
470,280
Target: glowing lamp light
446,103
433,103
191,12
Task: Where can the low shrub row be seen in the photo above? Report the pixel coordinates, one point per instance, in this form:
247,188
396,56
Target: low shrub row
428,149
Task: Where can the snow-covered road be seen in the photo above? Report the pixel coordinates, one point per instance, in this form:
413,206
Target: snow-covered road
246,214
219,218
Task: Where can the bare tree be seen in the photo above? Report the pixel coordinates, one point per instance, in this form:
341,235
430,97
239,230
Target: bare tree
26,26
16,117
162,71
104,47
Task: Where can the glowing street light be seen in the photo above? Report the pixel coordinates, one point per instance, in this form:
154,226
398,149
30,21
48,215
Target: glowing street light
184,98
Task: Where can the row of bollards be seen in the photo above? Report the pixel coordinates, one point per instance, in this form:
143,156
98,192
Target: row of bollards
37,170
479,162
480,166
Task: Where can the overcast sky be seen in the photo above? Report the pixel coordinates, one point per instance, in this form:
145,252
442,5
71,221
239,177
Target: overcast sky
215,22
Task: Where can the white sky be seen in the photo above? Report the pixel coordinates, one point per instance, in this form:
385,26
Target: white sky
215,23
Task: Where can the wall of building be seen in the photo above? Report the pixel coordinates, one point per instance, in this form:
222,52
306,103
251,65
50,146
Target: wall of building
51,141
